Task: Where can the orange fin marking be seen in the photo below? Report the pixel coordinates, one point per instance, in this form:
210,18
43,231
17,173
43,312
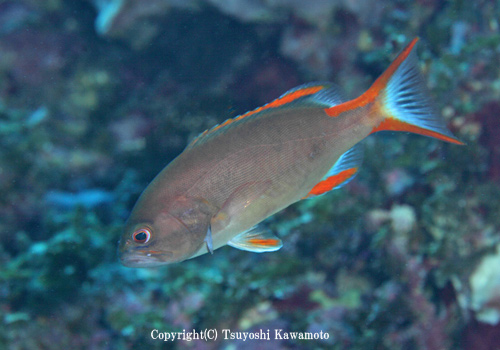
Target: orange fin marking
294,95
331,182
283,100
256,240
228,121
265,242
198,137
379,84
290,97
398,125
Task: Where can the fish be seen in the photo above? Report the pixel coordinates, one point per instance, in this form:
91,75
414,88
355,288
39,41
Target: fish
301,145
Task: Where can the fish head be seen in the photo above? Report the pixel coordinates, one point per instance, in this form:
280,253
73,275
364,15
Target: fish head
149,244
158,237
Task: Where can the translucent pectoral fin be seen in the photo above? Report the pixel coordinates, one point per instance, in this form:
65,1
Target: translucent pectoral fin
257,240
239,200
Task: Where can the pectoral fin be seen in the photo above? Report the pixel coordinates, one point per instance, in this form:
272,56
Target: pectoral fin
239,200
208,240
257,240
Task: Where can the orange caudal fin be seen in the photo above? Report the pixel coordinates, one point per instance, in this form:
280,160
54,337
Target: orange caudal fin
399,95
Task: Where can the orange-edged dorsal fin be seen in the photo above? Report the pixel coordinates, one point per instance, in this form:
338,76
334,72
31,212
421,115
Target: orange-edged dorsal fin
318,94
343,171
257,240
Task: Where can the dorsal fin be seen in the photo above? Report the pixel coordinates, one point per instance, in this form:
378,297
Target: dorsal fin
320,94
343,171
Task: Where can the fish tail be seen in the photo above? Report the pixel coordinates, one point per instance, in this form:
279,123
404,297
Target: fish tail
399,101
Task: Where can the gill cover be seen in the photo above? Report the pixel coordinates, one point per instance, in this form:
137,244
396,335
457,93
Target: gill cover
194,214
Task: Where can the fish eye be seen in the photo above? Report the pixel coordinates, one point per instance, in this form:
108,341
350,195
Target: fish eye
142,235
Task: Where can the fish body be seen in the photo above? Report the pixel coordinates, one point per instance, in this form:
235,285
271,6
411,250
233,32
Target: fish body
235,175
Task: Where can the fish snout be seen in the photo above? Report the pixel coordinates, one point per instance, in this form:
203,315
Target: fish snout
141,258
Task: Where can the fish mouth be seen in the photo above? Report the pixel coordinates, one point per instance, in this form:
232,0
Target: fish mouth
145,258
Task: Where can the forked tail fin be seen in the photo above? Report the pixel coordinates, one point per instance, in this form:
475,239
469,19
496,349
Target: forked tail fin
399,95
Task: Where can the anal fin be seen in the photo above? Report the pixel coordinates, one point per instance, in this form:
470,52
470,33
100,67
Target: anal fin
257,240
343,171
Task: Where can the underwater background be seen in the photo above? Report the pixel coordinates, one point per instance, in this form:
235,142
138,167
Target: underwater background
97,96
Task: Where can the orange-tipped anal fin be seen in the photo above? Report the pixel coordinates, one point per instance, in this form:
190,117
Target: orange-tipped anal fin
331,183
343,171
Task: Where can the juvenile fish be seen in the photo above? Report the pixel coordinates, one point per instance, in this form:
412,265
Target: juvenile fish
301,145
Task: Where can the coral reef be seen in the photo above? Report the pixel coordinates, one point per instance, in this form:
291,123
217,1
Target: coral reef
96,96
485,289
